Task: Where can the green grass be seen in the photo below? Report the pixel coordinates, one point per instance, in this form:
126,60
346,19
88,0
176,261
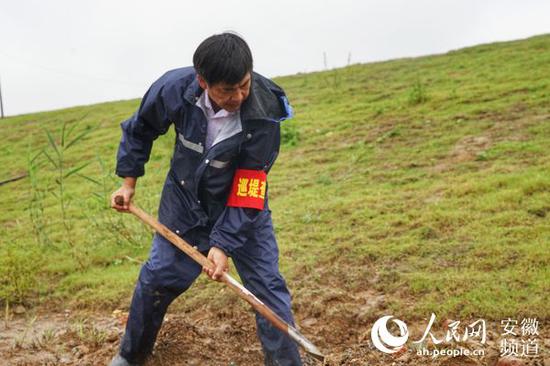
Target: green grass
425,179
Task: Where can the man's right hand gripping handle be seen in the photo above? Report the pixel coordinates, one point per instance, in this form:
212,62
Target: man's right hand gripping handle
126,190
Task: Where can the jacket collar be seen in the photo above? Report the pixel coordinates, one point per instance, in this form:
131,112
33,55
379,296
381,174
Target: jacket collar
266,101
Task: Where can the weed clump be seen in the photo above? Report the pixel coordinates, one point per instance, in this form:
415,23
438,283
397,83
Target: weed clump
417,93
290,135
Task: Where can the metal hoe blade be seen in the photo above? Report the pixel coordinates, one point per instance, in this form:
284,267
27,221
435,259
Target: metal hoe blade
307,345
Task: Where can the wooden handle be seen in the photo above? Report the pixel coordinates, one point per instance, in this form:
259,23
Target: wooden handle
205,262
168,234
246,295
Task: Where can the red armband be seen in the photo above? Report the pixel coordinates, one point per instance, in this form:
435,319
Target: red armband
248,189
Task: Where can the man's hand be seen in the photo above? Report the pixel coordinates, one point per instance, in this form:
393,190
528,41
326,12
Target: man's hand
127,191
218,257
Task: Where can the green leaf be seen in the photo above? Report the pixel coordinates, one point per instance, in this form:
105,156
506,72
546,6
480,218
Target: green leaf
77,138
52,142
101,162
90,179
50,159
74,170
36,156
63,134
71,129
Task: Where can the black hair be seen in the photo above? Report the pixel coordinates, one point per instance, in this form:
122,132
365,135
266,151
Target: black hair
224,58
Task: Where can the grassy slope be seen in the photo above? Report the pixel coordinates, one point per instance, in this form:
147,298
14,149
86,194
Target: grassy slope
441,205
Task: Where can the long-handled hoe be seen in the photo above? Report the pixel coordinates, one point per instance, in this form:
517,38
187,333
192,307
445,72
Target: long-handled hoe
249,297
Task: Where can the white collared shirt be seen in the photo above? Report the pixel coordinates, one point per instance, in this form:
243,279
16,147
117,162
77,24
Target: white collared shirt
222,124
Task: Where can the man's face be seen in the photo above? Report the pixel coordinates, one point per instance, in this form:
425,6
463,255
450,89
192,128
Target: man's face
226,96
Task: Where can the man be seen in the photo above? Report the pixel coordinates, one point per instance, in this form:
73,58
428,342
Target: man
215,195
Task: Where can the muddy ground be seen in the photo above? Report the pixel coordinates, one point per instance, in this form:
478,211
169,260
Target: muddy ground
226,339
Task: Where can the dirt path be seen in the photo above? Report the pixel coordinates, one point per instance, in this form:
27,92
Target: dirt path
208,339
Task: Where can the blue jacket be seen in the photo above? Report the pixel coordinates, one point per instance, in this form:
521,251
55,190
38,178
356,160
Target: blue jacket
195,193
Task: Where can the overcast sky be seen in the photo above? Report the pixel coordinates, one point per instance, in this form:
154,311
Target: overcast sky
63,53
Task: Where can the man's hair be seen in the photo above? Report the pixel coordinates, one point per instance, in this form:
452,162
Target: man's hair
224,58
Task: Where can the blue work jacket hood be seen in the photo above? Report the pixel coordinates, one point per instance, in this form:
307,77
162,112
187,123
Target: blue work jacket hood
266,101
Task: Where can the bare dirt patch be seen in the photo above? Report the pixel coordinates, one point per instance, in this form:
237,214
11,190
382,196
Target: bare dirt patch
201,338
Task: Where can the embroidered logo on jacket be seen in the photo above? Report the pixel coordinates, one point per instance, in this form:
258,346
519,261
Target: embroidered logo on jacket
248,189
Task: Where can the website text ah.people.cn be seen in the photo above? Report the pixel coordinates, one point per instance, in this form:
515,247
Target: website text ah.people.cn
517,338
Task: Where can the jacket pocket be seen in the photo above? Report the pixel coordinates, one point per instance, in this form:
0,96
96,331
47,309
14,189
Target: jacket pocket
179,208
